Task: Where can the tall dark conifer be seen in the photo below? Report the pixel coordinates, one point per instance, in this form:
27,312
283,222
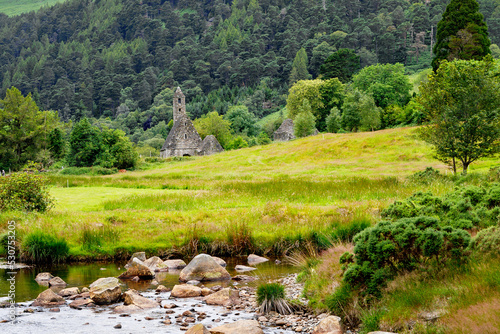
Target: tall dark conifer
461,33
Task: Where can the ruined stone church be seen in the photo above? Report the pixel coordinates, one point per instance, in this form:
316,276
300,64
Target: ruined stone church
183,139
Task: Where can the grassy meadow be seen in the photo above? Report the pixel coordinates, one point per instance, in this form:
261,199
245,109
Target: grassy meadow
267,199
16,7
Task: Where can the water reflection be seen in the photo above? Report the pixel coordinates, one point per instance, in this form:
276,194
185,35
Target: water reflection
83,274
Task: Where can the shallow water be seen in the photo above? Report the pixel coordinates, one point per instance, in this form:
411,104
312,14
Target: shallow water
83,274
102,319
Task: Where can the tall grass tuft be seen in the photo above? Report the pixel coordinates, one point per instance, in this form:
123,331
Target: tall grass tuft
240,238
93,238
271,297
41,247
345,232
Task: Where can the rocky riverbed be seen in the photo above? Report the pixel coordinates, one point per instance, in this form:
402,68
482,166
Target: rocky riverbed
173,315
109,304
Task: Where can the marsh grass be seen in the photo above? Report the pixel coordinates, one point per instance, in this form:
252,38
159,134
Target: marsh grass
271,297
92,238
42,247
284,194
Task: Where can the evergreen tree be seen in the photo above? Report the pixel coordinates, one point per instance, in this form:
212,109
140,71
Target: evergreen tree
84,144
342,64
299,67
461,33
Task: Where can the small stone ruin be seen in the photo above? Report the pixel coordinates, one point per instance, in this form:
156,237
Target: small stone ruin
285,131
183,139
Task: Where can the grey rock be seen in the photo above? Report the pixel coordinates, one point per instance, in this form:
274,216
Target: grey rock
137,268
203,268
105,291
255,259
244,268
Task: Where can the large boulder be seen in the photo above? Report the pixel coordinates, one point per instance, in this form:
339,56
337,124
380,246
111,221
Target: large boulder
155,264
174,264
132,297
137,268
203,268
48,298
44,277
255,259
330,325
239,327
224,297
105,291
57,281
185,291
198,329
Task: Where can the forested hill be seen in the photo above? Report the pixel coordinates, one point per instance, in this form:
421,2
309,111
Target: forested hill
115,58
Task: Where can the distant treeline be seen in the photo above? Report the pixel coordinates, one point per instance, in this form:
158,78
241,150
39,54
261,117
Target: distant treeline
109,58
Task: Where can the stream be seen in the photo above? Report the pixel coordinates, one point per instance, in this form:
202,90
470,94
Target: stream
102,318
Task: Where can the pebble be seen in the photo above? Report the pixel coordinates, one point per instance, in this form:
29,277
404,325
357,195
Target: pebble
118,326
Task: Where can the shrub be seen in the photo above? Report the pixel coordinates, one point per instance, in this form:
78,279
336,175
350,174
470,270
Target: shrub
271,297
427,176
26,192
41,247
487,241
465,207
390,248
88,171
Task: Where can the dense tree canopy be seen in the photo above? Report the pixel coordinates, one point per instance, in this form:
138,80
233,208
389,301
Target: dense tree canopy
342,64
24,129
112,58
387,83
461,33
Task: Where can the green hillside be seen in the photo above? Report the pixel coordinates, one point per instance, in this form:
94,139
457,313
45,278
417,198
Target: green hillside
276,195
16,7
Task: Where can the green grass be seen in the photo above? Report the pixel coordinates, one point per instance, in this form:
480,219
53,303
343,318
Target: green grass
284,194
16,7
271,117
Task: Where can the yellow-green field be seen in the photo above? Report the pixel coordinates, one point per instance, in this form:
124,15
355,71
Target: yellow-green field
16,7
276,195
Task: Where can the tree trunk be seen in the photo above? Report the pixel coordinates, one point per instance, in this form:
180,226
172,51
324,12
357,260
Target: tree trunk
465,167
454,166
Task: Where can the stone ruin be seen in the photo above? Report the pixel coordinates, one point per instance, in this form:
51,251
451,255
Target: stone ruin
183,139
285,131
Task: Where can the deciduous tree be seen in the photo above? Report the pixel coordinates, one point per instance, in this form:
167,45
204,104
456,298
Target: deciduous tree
462,102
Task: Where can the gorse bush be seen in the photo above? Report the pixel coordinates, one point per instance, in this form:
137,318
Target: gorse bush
465,207
391,248
24,191
271,297
427,176
487,241
41,247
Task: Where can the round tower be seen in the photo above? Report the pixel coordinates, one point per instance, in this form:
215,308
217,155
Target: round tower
179,104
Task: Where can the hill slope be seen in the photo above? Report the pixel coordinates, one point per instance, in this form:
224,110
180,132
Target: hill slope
276,195
16,7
